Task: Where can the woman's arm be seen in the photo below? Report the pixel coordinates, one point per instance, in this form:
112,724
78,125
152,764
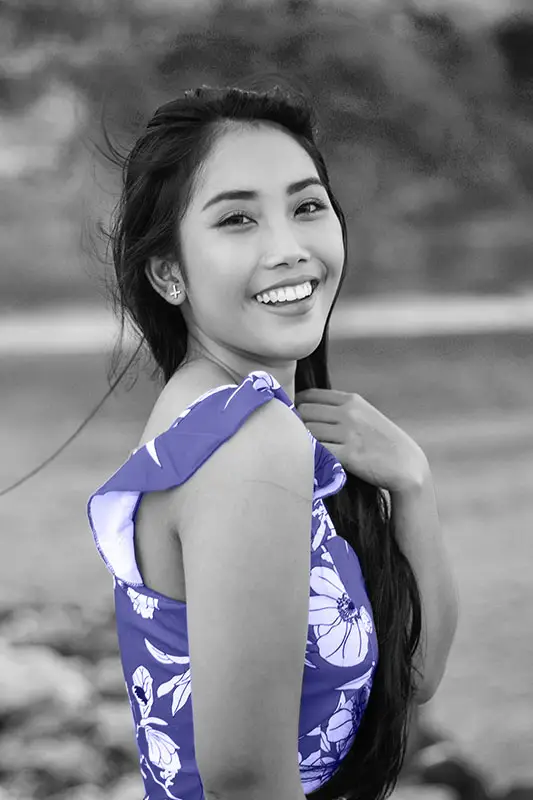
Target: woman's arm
418,532
244,519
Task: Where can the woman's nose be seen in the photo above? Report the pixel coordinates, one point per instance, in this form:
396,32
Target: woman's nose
283,247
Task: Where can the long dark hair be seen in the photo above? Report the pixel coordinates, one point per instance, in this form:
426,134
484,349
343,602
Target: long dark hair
158,174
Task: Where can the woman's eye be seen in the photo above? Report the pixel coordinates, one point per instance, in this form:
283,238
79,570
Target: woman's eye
226,223
320,206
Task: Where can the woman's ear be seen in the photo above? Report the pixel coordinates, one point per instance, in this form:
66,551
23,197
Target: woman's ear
155,273
162,272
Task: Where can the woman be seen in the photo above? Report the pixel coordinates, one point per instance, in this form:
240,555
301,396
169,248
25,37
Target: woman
270,624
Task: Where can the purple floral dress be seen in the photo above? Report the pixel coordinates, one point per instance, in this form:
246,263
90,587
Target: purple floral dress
342,651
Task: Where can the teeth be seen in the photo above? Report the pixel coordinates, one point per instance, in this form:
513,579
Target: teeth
290,293
286,294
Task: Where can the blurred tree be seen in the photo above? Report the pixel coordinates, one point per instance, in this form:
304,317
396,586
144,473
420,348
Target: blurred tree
514,37
414,109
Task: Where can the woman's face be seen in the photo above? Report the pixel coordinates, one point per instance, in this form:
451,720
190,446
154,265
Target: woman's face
235,248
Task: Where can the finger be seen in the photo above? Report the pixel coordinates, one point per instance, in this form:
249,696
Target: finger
327,396
317,412
325,432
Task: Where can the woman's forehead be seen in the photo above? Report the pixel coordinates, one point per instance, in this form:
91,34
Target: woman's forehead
253,159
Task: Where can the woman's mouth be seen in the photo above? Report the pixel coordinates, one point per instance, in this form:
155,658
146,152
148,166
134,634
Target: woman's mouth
292,304
288,294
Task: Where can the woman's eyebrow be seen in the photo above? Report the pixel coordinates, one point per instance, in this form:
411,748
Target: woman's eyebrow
248,194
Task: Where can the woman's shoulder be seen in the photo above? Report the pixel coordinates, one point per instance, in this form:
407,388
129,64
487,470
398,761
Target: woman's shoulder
185,387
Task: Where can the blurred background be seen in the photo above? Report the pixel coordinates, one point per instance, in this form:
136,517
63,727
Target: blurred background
426,114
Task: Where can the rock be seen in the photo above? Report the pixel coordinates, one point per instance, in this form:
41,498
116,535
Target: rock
36,676
5,795
130,786
49,627
108,679
64,761
65,629
115,727
415,792
98,643
86,792
27,785
45,725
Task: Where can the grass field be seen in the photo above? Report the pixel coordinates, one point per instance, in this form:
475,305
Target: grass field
468,401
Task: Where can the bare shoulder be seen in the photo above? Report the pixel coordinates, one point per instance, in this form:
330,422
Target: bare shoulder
271,448
157,537
269,441
186,386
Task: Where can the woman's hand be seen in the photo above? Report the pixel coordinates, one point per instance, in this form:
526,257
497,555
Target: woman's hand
363,439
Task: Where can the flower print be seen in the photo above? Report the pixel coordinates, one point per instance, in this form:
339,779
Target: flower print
261,381
319,514
344,723
366,620
142,690
332,476
324,741
309,648
163,752
316,759
265,381
325,529
181,416
341,636
152,452
165,658
314,769
181,684
360,681
340,729
143,605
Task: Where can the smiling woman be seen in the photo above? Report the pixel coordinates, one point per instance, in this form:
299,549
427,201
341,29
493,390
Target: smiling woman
291,234
252,572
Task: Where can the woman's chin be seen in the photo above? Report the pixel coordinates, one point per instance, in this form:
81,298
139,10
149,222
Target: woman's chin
295,350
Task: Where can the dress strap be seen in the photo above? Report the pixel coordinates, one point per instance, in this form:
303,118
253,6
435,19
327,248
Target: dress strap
173,456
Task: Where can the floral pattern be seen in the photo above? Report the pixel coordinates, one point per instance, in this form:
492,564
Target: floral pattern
341,635
143,605
341,653
162,749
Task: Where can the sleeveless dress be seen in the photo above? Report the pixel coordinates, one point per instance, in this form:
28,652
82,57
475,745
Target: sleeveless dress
342,650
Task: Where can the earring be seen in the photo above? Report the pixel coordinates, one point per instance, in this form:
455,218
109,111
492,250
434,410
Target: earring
174,292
